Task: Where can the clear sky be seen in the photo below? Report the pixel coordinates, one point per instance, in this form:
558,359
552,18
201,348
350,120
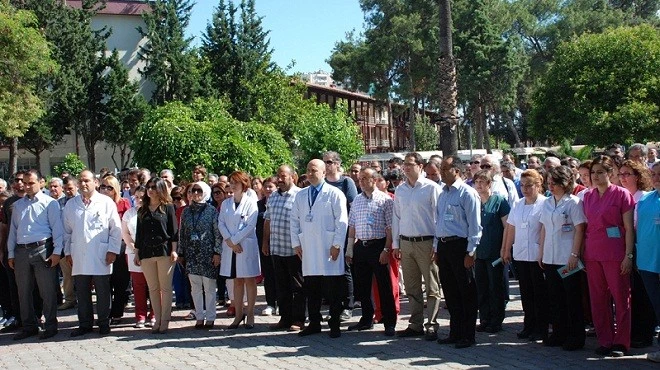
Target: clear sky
300,30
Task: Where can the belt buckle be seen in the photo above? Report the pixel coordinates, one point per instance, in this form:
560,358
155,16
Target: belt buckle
364,242
444,239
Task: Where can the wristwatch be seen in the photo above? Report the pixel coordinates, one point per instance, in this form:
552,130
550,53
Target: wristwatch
386,250
630,256
470,254
336,247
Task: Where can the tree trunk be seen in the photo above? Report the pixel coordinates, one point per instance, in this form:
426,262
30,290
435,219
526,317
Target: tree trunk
13,156
478,117
91,154
484,128
447,84
509,122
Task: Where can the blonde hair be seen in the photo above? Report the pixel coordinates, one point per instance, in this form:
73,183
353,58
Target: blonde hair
112,181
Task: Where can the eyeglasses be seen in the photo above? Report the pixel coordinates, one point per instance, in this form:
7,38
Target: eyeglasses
329,162
196,191
217,193
625,174
485,166
475,162
18,179
106,187
151,187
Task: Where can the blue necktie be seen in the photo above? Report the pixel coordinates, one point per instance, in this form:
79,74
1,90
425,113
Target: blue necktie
315,192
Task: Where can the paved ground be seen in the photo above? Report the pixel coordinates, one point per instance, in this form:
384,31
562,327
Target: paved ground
183,347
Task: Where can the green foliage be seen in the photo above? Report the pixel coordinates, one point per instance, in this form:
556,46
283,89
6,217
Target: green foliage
26,58
71,164
179,136
566,150
325,129
603,88
170,62
426,135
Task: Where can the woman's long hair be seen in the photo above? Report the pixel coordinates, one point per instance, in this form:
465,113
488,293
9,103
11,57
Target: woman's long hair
162,193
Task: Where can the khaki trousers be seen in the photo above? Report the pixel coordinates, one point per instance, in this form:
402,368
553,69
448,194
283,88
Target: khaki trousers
417,264
159,271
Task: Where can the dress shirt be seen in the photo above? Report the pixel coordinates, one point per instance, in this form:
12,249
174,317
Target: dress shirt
414,209
559,221
508,191
371,216
33,220
278,212
459,213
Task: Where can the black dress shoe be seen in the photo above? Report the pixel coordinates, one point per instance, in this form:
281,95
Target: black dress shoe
481,328
603,351
524,334
48,334
463,343
309,330
618,350
573,344
26,334
448,340
80,331
553,341
410,333
335,333
390,331
361,326
492,329
279,326
104,330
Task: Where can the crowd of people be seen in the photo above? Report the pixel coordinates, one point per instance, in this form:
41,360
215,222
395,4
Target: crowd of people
582,239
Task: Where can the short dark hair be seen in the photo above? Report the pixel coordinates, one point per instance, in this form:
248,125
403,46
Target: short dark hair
34,172
606,162
456,162
416,156
562,176
484,175
396,160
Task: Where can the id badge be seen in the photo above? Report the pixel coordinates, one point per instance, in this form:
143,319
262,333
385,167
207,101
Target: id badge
194,237
449,217
657,220
309,218
566,228
524,225
613,232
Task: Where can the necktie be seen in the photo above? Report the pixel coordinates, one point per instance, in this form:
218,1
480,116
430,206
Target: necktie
315,192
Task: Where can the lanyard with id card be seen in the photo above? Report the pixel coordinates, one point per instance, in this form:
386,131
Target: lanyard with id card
448,215
310,201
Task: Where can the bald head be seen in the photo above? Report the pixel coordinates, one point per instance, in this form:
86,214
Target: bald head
315,171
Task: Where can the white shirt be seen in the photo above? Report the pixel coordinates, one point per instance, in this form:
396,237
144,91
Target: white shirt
414,209
90,232
559,222
128,227
526,219
509,191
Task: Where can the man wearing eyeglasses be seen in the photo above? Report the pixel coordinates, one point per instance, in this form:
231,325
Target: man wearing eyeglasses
334,177
475,162
13,315
34,246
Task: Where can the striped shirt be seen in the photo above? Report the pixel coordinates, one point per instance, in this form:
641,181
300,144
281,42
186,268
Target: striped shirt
278,212
371,216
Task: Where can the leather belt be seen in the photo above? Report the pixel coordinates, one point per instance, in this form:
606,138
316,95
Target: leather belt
366,243
447,239
416,239
35,244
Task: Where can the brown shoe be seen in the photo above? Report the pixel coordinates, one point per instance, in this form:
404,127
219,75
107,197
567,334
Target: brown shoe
279,326
296,326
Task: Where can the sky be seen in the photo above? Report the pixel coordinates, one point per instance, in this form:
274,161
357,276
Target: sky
304,31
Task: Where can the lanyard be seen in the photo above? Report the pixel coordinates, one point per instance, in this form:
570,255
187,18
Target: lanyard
311,201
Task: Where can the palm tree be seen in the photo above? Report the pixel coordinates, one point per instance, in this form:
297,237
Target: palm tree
447,84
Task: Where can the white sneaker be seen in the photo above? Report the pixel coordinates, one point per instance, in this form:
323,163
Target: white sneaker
268,311
653,356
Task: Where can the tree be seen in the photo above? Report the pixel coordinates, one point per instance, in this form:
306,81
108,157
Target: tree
326,129
25,58
170,63
71,164
125,108
447,83
602,88
426,134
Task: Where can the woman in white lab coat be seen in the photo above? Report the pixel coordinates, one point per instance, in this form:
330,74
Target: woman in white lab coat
237,222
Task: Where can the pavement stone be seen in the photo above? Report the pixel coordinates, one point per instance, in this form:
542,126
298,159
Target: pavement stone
184,347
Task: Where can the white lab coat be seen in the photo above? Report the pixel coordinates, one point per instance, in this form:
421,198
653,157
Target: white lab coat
239,224
327,228
90,232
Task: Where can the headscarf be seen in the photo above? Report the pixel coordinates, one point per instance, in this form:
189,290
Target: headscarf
206,191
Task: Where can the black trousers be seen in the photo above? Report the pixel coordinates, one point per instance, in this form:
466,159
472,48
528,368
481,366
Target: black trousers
642,315
565,298
5,294
268,271
491,292
288,277
534,296
35,278
330,287
365,267
119,281
83,288
459,287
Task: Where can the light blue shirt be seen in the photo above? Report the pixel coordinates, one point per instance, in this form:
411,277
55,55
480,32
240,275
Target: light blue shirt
459,213
648,232
34,220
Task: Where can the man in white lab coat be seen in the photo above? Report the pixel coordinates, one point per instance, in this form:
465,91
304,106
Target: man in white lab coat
92,240
319,221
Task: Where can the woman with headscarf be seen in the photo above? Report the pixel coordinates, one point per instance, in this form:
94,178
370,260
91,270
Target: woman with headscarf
200,246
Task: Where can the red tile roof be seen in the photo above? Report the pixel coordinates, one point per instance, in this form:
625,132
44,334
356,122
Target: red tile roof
117,7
